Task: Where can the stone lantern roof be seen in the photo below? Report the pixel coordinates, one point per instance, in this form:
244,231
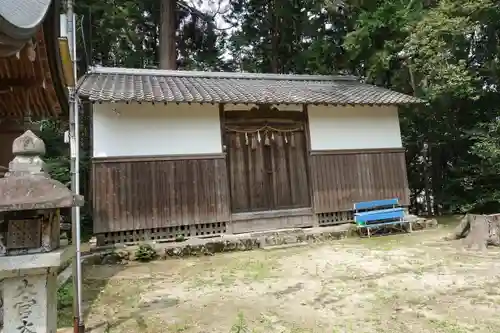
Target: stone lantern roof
27,186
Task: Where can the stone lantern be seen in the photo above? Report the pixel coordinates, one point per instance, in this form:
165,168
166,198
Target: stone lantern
30,252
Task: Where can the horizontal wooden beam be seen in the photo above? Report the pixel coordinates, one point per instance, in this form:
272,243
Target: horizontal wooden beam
264,114
117,159
357,151
271,214
6,83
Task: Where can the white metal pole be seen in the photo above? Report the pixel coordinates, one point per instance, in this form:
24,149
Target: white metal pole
75,173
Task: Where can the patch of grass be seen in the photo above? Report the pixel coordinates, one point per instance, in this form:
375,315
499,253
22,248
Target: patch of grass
178,328
386,242
446,326
241,325
300,330
65,305
258,270
249,270
227,280
145,253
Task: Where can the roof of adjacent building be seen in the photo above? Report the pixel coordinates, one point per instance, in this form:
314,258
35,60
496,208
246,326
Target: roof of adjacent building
103,84
20,19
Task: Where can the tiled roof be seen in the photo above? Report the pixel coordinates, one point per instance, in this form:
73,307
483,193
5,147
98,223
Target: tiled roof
143,85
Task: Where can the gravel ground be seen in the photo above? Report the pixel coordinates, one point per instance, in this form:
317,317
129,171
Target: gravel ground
401,283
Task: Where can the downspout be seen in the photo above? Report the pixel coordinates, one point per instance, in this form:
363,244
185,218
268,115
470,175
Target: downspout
74,134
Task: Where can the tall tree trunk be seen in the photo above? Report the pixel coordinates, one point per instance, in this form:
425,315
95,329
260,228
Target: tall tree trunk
437,181
274,37
168,54
427,179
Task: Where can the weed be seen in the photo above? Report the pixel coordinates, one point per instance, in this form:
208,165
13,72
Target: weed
145,253
65,304
240,326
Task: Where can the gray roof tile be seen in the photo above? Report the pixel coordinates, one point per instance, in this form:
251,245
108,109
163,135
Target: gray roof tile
143,85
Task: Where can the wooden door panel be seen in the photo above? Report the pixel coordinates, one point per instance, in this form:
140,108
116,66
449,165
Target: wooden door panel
249,180
267,165
258,193
290,172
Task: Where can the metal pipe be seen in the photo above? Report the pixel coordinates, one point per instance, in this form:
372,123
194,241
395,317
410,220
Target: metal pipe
75,174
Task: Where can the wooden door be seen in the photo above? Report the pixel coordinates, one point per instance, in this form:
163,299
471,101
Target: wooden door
267,166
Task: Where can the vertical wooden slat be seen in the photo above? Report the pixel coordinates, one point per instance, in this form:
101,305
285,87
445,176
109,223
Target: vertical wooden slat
302,174
219,187
274,176
172,195
260,187
159,193
181,172
154,196
339,179
333,180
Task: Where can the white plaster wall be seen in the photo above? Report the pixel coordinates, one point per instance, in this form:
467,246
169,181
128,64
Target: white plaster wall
354,127
146,129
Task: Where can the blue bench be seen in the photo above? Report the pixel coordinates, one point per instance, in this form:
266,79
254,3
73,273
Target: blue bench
379,213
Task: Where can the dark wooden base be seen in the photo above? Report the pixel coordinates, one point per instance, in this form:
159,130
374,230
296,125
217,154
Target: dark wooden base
167,234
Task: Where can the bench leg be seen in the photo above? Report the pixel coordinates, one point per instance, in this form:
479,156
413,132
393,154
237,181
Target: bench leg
368,232
410,227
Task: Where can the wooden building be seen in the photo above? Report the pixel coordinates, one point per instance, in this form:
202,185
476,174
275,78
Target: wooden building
198,153
32,81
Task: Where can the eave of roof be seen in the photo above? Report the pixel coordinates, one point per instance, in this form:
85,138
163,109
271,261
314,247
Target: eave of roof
103,84
36,88
20,19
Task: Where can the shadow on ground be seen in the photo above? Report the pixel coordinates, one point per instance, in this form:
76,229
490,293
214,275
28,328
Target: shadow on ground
91,290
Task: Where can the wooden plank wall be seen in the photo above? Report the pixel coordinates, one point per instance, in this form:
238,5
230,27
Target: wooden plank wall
340,178
156,192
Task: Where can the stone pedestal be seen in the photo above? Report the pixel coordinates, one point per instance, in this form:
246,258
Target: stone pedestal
30,290
30,303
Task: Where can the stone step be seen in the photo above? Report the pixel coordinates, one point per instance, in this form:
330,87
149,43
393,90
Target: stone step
283,246
279,237
281,232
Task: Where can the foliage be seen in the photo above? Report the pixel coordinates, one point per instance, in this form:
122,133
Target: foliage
65,305
65,296
145,253
287,36
125,33
443,51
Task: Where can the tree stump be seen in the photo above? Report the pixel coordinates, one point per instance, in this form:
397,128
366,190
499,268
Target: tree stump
478,231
